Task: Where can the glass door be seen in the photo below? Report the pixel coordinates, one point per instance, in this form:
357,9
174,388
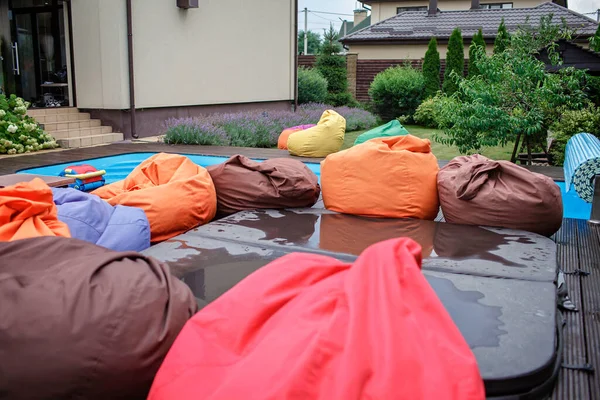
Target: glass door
39,65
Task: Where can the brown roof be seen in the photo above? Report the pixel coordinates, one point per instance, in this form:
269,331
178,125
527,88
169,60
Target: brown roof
418,25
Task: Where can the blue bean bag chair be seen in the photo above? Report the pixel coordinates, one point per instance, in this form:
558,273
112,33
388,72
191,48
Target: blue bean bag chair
92,219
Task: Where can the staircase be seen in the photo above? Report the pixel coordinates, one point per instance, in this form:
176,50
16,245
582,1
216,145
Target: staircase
72,128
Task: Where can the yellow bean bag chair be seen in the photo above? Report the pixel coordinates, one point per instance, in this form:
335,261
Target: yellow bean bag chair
320,141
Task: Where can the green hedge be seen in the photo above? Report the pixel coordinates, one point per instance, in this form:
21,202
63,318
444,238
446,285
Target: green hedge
397,91
312,86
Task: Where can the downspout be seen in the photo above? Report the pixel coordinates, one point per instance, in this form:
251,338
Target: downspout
296,55
131,70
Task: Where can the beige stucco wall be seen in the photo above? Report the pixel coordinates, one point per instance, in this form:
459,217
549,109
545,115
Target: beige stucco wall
100,52
381,11
401,52
226,51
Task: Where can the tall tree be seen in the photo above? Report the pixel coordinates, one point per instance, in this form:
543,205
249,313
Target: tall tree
455,61
595,40
332,65
502,38
476,50
314,42
431,69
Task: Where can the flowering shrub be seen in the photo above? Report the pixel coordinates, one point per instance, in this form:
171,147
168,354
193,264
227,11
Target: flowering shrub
256,128
19,133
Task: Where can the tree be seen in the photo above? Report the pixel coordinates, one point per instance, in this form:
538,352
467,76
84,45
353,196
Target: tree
476,50
595,41
502,38
332,65
314,42
431,69
455,62
515,97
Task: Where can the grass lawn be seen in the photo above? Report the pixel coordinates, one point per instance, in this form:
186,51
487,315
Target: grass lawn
441,151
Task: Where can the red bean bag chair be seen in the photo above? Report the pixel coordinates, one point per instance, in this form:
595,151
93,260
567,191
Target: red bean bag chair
176,194
311,327
392,177
243,184
283,137
27,210
475,190
81,321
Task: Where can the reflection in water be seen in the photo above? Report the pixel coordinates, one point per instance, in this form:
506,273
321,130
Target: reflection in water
352,234
479,323
464,242
290,228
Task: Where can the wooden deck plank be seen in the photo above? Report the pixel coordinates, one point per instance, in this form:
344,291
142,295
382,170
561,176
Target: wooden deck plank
572,384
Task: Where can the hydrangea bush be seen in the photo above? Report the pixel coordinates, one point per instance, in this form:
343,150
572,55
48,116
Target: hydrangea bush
256,128
20,133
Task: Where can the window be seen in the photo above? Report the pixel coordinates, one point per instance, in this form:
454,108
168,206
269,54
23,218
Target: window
417,8
496,6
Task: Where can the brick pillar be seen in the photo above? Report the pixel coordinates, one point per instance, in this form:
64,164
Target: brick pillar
351,61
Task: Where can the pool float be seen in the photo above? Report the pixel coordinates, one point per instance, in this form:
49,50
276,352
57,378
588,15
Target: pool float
319,141
475,190
391,177
87,177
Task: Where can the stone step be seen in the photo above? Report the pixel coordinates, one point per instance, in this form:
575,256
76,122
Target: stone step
72,117
60,126
36,112
70,133
86,141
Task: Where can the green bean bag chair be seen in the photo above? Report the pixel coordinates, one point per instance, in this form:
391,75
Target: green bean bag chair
392,128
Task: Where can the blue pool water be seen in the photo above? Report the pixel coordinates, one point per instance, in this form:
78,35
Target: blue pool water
118,167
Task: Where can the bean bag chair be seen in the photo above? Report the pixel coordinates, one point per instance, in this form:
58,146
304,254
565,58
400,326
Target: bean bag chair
81,321
392,128
386,177
243,184
475,190
352,235
27,210
311,327
319,141
176,194
283,137
92,219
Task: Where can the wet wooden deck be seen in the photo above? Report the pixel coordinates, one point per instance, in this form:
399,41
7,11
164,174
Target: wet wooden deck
578,254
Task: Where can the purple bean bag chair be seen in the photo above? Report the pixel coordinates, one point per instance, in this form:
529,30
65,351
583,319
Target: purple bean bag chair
93,220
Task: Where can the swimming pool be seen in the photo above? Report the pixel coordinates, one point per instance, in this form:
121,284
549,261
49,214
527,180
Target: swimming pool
118,167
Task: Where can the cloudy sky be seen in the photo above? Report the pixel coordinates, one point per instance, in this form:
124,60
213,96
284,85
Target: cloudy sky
319,20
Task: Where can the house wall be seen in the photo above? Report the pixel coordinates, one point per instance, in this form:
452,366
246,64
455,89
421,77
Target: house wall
100,52
403,51
226,51
381,11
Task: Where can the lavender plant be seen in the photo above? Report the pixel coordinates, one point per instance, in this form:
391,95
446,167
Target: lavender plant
256,128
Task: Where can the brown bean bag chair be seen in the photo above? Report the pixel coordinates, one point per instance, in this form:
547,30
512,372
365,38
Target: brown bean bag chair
176,194
27,210
392,177
81,321
352,235
243,184
475,190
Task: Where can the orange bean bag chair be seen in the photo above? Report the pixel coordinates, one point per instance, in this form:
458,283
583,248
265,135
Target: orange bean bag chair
283,137
176,194
311,327
27,210
475,190
392,177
